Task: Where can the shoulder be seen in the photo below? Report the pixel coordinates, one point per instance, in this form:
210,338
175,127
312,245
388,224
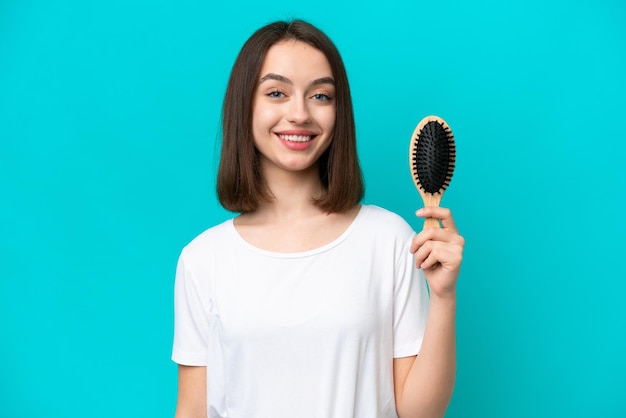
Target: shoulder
382,221
210,239
384,217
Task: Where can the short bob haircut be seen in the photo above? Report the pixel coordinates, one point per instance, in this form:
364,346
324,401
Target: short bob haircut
240,185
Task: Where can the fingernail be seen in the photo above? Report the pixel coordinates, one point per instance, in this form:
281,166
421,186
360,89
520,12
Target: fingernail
420,212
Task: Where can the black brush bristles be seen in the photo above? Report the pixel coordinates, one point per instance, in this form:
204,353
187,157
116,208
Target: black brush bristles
433,156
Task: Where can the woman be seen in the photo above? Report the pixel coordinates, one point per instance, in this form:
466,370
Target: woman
309,304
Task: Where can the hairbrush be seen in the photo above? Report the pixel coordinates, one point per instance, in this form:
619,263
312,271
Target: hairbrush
432,155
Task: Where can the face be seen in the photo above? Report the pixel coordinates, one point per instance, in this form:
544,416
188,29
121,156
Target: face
293,107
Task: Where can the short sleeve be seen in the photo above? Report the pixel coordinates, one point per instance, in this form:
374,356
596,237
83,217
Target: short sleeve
411,302
191,317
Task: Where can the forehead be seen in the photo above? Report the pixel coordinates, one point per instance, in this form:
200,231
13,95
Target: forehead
296,59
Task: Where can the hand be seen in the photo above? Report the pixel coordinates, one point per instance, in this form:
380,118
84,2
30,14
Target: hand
439,252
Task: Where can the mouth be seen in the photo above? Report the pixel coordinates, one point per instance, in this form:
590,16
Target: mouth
296,138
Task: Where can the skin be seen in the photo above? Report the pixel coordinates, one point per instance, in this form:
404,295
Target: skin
191,402
295,95
423,384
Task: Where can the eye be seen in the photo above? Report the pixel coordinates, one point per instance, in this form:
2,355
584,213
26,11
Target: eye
275,94
322,97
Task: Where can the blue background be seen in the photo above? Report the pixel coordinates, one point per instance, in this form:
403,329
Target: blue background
109,111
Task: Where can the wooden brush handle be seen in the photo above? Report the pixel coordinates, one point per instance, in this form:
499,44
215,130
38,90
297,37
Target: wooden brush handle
431,200
431,223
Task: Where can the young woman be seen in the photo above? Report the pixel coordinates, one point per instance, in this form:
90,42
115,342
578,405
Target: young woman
309,304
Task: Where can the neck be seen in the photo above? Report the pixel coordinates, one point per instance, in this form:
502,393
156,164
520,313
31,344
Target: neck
293,193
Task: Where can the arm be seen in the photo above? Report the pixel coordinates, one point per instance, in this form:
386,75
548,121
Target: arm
423,384
192,398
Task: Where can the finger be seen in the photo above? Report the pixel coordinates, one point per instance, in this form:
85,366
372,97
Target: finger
422,254
448,256
429,234
429,262
421,238
435,234
429,255
443,214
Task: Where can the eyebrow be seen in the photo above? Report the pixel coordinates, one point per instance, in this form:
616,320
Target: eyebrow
283,79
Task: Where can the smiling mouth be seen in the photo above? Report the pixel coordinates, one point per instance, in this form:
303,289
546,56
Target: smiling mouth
296,138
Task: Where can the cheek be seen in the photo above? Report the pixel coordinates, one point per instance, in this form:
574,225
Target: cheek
326,118
264,117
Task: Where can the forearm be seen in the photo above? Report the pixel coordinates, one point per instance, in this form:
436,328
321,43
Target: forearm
430,381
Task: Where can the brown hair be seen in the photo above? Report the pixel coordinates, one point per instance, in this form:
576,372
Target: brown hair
240,186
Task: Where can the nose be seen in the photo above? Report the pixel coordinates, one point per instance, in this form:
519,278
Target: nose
298,111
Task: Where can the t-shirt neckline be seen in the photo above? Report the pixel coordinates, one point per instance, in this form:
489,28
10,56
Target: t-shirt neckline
301,254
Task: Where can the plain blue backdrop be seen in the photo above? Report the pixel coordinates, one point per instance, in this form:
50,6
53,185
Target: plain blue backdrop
109,112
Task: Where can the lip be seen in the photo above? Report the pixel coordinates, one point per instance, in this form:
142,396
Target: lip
296,145
299,132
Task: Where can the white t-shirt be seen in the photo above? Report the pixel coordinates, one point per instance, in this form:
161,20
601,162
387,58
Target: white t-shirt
299,335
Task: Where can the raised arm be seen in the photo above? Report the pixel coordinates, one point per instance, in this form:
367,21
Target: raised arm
424,383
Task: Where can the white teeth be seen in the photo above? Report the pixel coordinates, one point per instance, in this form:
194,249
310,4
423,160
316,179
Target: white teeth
296,138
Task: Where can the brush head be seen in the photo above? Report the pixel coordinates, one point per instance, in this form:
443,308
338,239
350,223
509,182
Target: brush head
432,155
